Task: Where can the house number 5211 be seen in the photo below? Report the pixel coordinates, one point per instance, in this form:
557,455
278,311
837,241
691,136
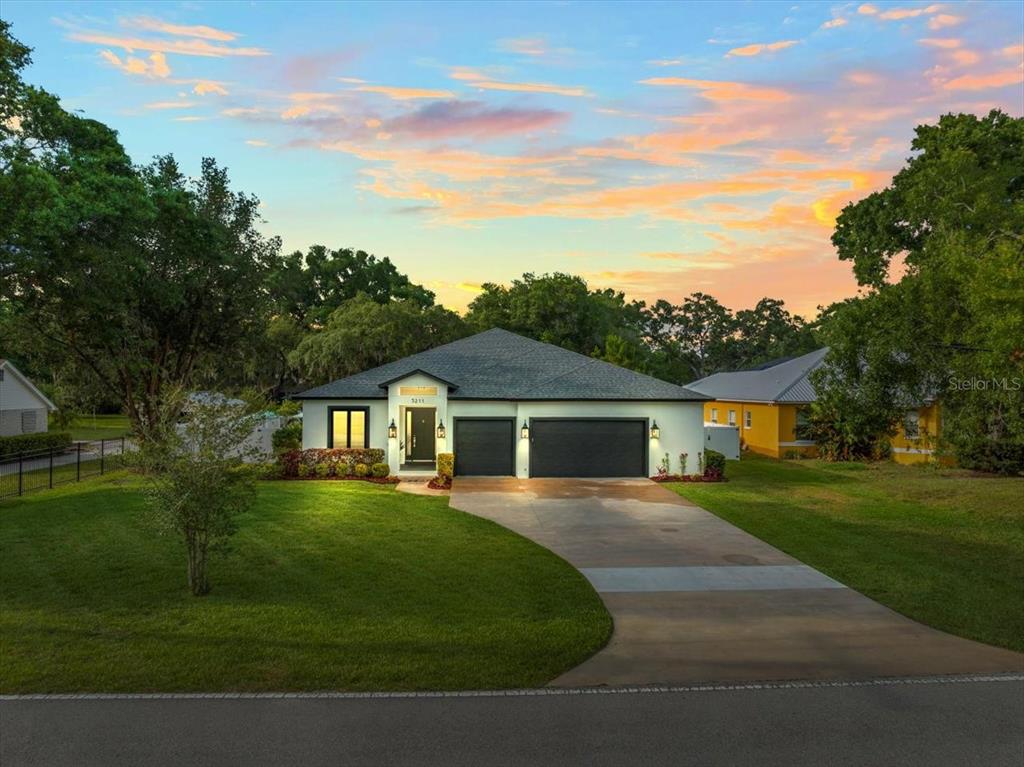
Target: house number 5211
418,400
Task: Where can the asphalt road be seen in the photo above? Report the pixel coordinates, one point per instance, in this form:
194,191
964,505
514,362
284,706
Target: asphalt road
939,723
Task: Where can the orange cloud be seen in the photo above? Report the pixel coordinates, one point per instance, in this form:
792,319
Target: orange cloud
834,23
722,90
944,20
897,14
862,78
405,94
965,57
156,66
941,42
525,46
984,81
205,87
182,47
156,25
867,10
758,48
560,90
1013,51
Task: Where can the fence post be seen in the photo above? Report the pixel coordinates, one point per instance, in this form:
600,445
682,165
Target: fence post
51,468
20,474
78,464
121,461
102,445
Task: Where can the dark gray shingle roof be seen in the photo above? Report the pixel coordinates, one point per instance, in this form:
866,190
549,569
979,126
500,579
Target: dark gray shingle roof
497,364
786,381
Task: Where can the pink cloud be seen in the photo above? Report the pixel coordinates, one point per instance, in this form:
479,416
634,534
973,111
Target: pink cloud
834,23
156,67
182,47
405,94
448,119
721,90
977,82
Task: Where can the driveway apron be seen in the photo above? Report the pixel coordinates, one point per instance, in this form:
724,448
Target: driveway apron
696,599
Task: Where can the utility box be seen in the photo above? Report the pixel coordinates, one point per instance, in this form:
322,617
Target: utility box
725,439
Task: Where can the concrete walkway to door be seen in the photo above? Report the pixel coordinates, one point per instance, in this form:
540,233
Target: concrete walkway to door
696,599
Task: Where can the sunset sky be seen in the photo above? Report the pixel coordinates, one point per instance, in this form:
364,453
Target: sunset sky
658,149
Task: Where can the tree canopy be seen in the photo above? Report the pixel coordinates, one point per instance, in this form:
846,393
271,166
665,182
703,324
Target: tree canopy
951,325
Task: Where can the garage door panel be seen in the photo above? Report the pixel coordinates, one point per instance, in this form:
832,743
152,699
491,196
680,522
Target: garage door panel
484,447
588,448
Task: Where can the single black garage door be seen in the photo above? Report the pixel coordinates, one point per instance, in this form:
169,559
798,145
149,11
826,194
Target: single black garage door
484,447
564,447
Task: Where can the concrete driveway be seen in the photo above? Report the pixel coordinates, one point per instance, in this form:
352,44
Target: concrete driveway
696,599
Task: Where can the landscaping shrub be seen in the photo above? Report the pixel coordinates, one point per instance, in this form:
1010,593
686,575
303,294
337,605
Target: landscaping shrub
380,469
289,407
323,470
26,443
288,437
446,465
341,460
361,470
303,471
714,465
267,470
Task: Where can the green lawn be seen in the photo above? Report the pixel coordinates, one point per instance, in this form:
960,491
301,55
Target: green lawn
89,427
330,586
945,547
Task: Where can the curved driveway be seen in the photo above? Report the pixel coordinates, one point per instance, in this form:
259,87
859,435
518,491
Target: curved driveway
696,599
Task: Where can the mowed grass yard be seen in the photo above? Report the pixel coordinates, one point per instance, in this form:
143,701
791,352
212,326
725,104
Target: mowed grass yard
330,586
90,427
942,546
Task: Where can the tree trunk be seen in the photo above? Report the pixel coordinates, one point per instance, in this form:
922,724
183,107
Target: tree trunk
197,581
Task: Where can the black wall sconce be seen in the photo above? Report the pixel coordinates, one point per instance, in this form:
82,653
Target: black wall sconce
440,429
525,431
392,430
655,431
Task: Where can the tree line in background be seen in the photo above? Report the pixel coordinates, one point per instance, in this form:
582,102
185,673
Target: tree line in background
122,284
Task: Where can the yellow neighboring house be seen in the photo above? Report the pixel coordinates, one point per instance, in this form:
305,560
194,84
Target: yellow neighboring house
770,405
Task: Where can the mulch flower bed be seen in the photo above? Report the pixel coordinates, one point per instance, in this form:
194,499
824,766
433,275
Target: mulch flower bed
440,483
374,480
687,478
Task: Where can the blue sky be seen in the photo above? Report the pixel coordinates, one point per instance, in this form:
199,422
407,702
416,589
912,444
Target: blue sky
657,148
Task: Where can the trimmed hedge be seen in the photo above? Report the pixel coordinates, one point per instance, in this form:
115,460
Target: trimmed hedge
714,464
340,462
446,465
27,443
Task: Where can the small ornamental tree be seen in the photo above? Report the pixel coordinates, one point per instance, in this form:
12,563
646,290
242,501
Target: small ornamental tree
198,481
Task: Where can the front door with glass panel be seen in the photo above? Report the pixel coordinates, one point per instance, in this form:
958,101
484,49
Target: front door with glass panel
420,433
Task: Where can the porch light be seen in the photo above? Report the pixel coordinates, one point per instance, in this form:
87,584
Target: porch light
655,431
392,430
440,429
525,431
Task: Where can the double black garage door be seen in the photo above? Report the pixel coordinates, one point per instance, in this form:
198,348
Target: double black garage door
559,447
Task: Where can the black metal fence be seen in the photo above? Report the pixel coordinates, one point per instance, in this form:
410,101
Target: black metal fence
49,468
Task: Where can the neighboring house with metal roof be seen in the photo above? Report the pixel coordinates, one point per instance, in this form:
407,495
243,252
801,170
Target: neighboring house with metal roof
509,406
23,408
770,404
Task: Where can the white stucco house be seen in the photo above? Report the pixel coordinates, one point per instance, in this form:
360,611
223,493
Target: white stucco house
509,406
23,408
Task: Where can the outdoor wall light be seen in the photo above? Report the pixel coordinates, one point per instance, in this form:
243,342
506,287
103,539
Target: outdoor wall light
655,431
392,430
525,431
440,429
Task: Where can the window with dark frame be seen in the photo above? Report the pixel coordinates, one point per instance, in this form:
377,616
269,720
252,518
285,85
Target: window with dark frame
348,427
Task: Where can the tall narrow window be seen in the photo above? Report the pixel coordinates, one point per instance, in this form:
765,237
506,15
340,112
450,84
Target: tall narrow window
912,425
747,420
348,427
714,415
801,429
732,417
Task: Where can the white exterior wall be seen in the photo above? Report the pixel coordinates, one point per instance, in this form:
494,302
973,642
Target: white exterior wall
681,423
15,398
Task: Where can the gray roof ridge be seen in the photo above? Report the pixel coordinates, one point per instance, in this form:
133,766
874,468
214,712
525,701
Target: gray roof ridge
582,365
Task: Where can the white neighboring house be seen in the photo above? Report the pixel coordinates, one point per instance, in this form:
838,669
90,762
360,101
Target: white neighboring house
23,408
509,406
